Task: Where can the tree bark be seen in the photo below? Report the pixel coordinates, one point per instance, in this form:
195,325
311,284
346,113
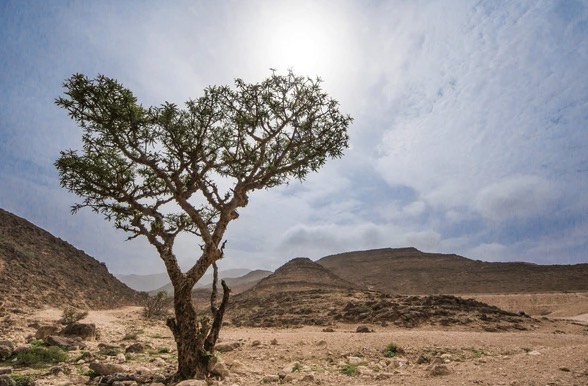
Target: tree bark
193,360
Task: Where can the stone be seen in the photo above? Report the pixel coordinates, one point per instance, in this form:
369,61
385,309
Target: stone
120,358
439,370
363,329
6,349
107,368
307,378
534,353
220,370
274,342
354,360
225,347
45,331
271,378
255,343
64,343
135,348
86,331
192,382
328,329
5,370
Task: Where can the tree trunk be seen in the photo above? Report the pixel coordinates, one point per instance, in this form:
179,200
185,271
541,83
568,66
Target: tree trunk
193,360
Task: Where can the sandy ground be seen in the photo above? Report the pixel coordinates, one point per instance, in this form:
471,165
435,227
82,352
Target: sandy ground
553,352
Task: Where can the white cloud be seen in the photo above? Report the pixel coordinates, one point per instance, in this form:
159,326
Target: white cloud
515,198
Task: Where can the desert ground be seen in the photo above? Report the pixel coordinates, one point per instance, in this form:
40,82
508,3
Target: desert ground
552,351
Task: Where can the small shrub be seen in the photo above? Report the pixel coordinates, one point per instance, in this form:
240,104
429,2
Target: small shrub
157,306
349,370
38,356
163,350
72,315
391,350
22,380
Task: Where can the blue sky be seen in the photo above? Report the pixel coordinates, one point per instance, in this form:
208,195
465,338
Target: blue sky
470,132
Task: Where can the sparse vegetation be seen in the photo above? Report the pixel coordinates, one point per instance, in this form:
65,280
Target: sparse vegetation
157,306
72,315
22,380
39,356
392,350
350,370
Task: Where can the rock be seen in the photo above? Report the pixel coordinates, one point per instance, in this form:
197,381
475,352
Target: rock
120,358
321,343
5,370
255,343
328,329
534,353
439,370
64,343
270,378
307,378
225,347
135,347
6,349
288,379
159,362
107,368
274,342
362,328
291,367
354,360
220,370
6,380
45,331
192,382
86,331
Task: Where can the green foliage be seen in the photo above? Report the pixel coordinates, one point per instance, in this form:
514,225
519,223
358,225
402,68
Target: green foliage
39,356
349,370
72,315
391,350
22,380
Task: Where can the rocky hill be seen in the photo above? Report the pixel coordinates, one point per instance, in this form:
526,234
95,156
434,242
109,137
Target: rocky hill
38,269
410,271
302,292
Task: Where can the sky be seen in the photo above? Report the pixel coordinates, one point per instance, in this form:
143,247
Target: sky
470,132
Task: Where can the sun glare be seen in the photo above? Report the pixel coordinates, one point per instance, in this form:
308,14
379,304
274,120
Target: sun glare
302,37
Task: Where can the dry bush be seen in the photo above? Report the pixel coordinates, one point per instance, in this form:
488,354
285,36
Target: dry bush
72,315
157,306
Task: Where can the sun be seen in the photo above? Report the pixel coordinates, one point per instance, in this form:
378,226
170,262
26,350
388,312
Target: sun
303,37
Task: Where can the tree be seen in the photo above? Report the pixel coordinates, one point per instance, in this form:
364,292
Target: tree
160,171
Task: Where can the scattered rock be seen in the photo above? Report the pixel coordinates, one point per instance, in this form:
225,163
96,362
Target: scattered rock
534,353
64,343
354,360
307,378
135,348
6,349
192,382
439,370
43,332
220,370
225,347
107,368
274,342
86,331
564,369
328,329
255,343
291,367
271,378
5,370
363,328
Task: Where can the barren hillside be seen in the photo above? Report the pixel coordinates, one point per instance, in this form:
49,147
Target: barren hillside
38,269
410,271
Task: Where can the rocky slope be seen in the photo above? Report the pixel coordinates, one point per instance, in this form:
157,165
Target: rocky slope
410,271
38,269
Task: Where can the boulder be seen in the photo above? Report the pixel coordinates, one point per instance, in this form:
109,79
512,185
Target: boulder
6,349
6,380
363,328
192,382
225,347
220,370
86,331
44,331
64,343
135,348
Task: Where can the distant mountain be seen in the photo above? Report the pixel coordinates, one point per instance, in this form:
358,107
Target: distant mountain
39,269
205,281
301,274
144,283
410,271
